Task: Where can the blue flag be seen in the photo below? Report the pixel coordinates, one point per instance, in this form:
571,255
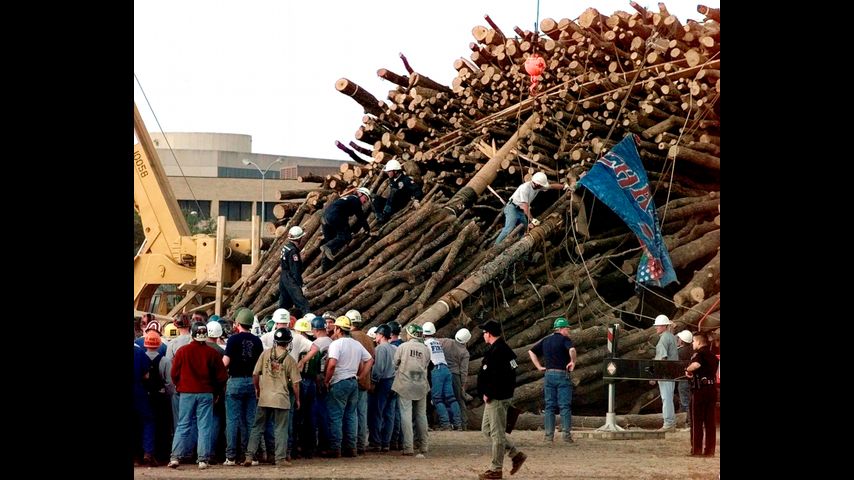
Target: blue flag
619,180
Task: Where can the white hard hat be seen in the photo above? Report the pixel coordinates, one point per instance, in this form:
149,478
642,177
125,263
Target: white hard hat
354,316
281,316
463,336
428,328
214,329
684,335
540,179
661,320
372,332
364,191
296,232
392,165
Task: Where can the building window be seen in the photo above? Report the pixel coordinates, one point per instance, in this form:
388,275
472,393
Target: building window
268,206
231,172
236,211
201,207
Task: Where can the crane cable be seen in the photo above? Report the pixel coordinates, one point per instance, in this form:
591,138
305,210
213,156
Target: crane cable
157,121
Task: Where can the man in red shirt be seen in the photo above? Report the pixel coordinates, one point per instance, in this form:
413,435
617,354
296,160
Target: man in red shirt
198,374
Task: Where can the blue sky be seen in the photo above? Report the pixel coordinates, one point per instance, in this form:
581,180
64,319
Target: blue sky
268,68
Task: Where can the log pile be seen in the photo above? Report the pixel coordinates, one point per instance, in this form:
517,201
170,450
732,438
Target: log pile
472,142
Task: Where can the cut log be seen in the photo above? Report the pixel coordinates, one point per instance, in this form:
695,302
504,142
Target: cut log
360,95
701,284
296,194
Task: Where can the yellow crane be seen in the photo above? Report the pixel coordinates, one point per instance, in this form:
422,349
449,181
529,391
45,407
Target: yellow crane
170,254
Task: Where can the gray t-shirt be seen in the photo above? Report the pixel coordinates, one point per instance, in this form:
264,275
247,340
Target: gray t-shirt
457,356
384,363
322,344
665,349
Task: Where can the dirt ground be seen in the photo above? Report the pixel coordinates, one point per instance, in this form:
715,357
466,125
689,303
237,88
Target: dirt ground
462,455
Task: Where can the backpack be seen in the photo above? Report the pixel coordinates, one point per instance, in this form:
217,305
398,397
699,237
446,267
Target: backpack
154,383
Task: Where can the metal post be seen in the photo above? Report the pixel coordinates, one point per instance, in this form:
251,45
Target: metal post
263,177
611,416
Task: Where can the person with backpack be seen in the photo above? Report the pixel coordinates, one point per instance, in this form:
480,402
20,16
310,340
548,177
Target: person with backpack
161,407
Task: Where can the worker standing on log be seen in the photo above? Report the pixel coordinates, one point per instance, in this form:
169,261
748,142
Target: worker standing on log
518,209
401,190
336,224
290,281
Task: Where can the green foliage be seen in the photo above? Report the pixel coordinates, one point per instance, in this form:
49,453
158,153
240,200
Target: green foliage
138,234
198,224
194,221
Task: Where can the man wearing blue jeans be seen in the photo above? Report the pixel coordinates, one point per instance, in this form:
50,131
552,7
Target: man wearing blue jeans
559,354
518,209
444,400
666,349
198,374
241,354
347,363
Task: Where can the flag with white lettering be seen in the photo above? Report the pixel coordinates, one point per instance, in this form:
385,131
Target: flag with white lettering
619,180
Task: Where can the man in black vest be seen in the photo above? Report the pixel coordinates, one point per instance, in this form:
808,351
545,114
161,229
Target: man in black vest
401,188
290,281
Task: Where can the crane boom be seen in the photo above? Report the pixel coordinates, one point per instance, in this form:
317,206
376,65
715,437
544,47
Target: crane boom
169,253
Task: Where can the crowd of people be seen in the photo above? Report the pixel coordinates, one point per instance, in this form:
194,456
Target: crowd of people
316,386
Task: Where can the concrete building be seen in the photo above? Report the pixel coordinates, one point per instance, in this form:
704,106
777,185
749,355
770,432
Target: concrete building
208,176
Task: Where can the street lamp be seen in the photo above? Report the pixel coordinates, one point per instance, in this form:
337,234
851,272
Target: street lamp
263,176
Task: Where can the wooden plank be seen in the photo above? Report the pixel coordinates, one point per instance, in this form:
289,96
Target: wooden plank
256,239
226,297
206,290
191,294
220,261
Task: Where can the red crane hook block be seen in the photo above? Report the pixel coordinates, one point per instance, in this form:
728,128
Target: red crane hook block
535,65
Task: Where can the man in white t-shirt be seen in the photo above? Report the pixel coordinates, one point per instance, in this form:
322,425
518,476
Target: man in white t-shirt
518,209
281,319
348,361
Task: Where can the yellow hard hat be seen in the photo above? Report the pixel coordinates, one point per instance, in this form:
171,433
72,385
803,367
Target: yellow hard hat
170,330
343,322
303,325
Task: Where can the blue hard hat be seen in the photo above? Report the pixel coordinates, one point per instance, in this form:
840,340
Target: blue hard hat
318,323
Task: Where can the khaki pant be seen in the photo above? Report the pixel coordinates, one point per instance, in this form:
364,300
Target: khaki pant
493,425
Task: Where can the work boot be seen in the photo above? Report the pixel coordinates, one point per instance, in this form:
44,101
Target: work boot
490,474
518,460
149,460
173,464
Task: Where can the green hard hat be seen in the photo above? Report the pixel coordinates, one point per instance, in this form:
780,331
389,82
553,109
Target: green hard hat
245,317
561,322
414,330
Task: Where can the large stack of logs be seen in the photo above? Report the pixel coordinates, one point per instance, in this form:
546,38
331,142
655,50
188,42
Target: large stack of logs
475,140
